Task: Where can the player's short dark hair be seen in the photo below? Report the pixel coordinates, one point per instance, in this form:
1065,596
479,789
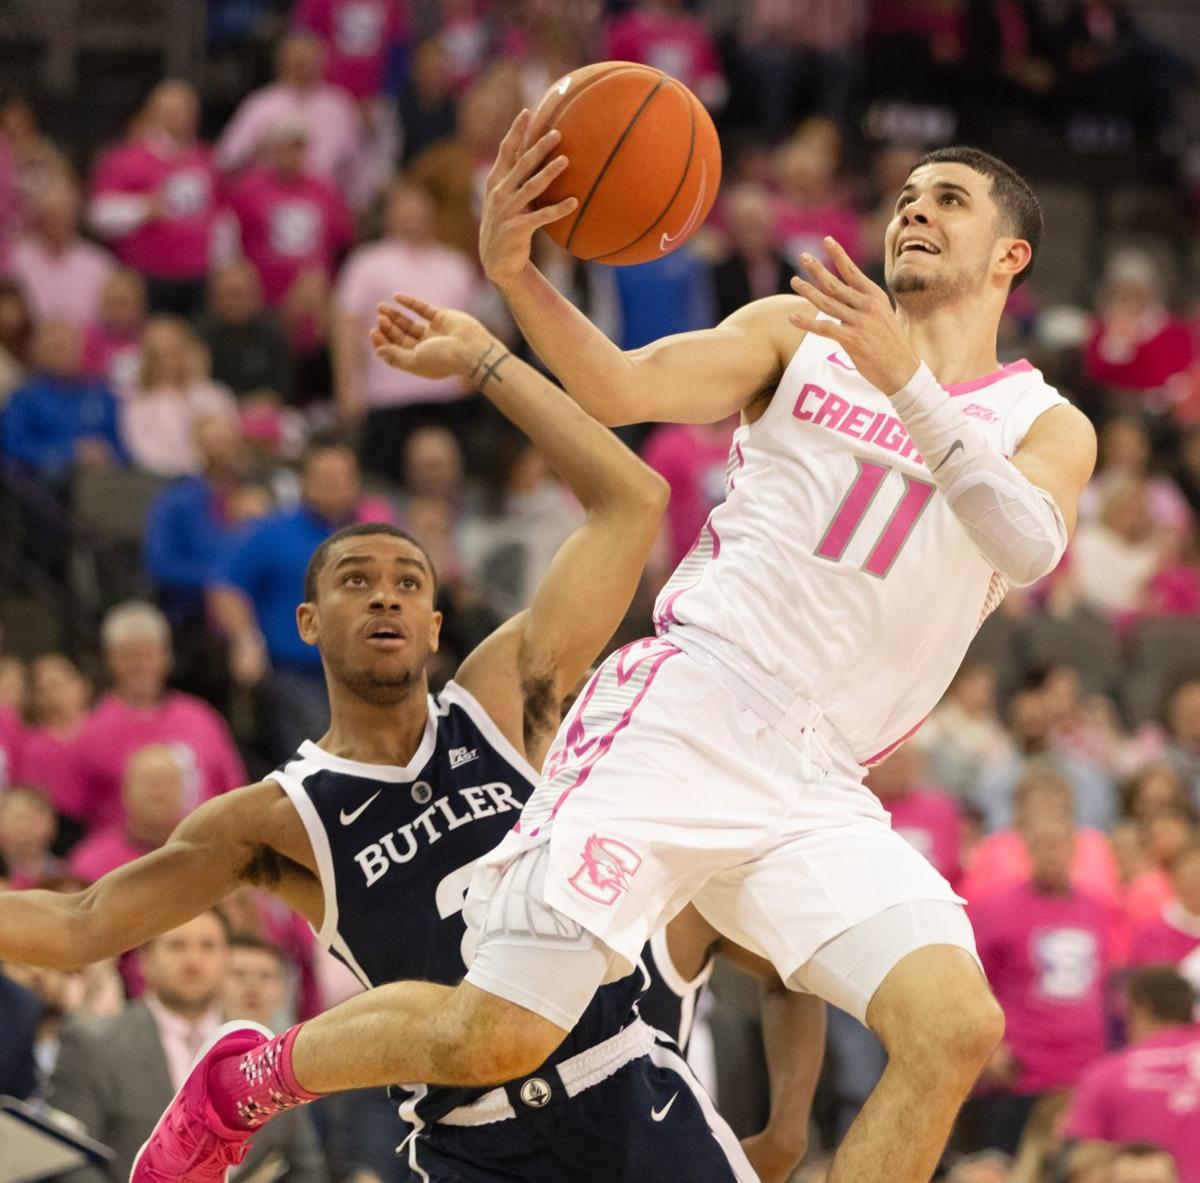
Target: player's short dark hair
360,530
251,940
1010,191
1164,992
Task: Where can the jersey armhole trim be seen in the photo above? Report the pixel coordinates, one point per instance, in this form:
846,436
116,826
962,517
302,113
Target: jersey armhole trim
669,972
319,840
455,694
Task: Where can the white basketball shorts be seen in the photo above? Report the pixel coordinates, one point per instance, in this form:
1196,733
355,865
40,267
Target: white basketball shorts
667,784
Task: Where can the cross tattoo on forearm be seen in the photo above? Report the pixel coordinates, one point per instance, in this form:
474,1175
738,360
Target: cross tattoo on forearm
489,371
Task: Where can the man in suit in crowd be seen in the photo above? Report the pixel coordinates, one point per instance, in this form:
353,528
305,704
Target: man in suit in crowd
117,1078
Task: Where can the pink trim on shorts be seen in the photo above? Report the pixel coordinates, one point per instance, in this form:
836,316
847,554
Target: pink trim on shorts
602,743
893,746
1020,366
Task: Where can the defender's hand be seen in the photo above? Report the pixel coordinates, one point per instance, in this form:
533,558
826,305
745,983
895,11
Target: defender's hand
866,325
443,343
519,175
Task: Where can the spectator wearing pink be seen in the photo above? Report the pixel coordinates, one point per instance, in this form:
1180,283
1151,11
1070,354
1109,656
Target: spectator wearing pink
1174,934
361,38
692,459
140,710
811,204
1044,947
299,92
16,336
154,198
62,273
50,754
28,828
291,222
12,738
407,259
660,33
1136,344
154,794
1001,861
173,393
112,348
1147,1092
928,820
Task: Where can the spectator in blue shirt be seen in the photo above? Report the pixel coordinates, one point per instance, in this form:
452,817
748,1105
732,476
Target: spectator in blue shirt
262,581
57,418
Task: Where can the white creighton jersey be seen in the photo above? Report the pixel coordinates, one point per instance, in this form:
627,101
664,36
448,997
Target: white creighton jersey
835,563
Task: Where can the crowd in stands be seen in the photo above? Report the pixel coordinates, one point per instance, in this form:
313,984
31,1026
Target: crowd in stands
183,324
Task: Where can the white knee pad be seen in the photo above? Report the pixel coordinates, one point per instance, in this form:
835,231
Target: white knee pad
531,954
847,970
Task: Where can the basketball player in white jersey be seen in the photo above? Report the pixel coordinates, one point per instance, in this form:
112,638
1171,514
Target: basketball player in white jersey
889,481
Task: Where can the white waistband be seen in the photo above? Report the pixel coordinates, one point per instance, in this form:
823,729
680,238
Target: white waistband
776,703
579,1073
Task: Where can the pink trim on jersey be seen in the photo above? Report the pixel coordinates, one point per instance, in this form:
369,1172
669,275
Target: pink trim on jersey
602,743
1020,366
741,463
893,746
666,616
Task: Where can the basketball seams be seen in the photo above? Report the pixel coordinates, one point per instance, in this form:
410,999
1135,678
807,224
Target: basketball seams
683,176
583,206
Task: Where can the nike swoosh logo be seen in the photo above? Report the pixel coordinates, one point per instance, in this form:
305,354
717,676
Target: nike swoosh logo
837,361
659,1114
350,818
957,446
562,86
669,240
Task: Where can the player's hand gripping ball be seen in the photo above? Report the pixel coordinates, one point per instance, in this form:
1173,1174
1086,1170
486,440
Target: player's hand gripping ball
643,160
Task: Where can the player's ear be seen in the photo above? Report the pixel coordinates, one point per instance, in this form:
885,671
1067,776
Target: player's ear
308,623
1014,256
435,631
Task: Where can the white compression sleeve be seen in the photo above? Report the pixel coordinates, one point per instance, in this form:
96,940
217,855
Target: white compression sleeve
1017,527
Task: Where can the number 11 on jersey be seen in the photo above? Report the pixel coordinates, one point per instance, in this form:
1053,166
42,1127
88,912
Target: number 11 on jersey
859,498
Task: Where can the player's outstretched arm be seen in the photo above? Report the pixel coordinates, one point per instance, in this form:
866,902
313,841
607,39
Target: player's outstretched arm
522,673
211,852
697,377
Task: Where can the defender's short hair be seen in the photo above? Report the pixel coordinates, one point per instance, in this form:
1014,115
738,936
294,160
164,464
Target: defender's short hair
360,530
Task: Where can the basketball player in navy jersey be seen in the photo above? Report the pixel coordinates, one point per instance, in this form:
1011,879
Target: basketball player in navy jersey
372,833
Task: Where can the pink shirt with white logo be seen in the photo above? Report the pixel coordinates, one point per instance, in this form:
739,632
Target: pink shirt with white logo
62,285
113,357
290,226
676,44
116,730
328,112
1148,1092
102,852
1170,937
358,36
1046,957
436,273
1001,861
797,231
51,762
692,460
931,823
178,245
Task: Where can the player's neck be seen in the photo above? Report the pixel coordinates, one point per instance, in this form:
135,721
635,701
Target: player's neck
371,734
947,341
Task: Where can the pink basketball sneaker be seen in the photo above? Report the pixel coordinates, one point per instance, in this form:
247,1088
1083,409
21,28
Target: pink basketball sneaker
190,1143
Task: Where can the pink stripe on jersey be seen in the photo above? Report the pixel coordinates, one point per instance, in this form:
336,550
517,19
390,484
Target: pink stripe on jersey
598,745
893,746
1021,366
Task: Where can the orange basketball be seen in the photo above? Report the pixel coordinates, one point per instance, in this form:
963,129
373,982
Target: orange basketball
644,161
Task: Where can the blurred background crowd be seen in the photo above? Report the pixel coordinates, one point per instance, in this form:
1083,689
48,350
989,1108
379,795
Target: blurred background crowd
201,204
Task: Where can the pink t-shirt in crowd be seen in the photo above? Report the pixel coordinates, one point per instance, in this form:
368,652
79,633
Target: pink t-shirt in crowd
290,226
692,460
62,285
51,762
358,36
436,273
675,43
1168,938
179,245
329,113
12,736
158,425
1148,1092
1046,958
1001,861
797,231
111,356
930,822
116,730
102,852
